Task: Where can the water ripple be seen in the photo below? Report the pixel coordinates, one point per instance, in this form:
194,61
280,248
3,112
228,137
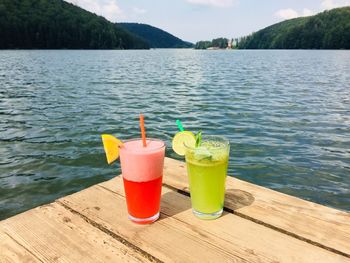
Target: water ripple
286,114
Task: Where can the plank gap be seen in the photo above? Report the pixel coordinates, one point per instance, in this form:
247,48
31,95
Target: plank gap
183,192
259,222
162,213
26,249
233,234
289,233
230,210
112,234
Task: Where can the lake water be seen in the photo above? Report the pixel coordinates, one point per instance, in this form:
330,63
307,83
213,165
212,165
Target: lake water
286,114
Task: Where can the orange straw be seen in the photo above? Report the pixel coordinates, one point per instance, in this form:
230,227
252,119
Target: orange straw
143,131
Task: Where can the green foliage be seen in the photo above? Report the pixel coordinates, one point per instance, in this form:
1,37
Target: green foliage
56,24
327,30
198,139
220,42
203,45
215,43
156,37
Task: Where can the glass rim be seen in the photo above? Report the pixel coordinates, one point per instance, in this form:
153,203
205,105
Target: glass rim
223,139
145,148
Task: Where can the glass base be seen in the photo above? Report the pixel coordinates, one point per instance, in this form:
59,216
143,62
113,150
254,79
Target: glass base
207,216
143,221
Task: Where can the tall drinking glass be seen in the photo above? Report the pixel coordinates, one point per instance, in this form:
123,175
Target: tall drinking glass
207,169
142,171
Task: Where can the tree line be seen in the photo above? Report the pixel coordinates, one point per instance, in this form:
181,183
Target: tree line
327,30
56,24
215,43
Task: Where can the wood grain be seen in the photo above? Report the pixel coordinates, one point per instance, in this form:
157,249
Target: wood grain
166,240
51,233
182,237
259,225
326,227
12,251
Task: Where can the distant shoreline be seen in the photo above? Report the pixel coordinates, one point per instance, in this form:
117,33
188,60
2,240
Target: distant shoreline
220,49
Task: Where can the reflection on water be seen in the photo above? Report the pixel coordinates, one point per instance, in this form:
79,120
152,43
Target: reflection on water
286,114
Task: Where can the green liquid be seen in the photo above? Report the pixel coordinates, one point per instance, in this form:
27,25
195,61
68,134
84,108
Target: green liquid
207,182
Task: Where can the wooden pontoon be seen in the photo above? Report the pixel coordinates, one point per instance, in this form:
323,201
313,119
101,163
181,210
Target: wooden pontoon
258,225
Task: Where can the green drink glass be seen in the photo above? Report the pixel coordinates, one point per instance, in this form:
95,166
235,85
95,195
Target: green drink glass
207,169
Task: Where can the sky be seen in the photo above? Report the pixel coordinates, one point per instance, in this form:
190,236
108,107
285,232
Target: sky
195,20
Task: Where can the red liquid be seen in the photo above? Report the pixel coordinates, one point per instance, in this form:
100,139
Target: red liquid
143,198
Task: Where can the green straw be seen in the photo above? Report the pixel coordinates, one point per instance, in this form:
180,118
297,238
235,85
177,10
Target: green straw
179,125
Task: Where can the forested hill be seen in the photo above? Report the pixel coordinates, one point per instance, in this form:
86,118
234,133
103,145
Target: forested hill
56,24
157,38
327,30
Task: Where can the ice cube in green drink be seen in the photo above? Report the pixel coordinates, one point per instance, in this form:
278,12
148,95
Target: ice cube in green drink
207,167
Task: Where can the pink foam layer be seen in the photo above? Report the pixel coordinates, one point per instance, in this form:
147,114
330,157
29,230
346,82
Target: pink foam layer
137,146
140,164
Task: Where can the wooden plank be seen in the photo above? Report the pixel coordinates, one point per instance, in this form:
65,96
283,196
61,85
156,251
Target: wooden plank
51,233
160,240
179,236
11,251
317,224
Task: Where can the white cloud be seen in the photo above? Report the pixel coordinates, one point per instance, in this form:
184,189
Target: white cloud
330,4
288,13
139,11
106,8
308,12
216,3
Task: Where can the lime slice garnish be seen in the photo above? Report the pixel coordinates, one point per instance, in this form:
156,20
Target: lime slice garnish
182,138
111,146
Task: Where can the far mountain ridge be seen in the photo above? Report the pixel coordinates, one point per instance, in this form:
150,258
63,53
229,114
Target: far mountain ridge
326,30
155,37
56,24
